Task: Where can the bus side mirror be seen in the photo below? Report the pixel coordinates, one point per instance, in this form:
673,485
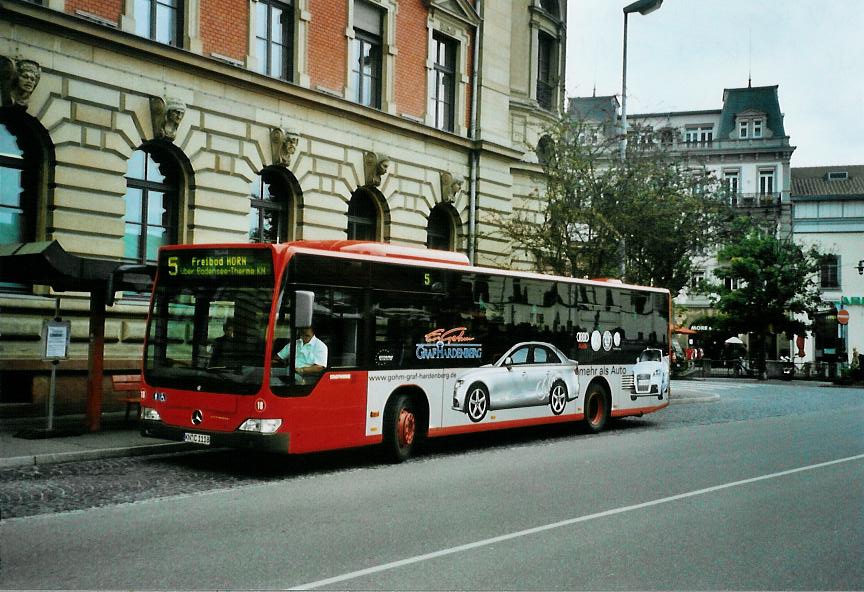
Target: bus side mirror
303,304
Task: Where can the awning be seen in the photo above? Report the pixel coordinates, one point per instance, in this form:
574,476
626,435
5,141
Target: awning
47,263
683,330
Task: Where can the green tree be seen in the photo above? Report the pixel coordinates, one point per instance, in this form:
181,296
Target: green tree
767,284
649,216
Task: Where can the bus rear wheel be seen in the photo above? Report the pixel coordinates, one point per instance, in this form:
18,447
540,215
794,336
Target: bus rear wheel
596,408
401,428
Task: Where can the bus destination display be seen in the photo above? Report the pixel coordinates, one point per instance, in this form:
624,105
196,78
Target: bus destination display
218,264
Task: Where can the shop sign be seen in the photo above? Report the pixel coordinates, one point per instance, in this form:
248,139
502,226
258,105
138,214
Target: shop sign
859,300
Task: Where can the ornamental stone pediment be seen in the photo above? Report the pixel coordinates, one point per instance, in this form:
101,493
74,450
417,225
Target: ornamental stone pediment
458,9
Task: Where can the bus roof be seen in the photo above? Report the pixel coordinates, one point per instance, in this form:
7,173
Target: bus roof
387,252
435,258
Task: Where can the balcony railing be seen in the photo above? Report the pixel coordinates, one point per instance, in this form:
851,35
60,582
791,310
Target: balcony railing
545,94
658,140
754,200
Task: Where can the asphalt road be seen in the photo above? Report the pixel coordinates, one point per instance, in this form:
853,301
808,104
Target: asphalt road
760,487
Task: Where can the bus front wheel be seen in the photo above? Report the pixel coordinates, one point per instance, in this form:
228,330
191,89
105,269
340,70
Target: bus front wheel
401,428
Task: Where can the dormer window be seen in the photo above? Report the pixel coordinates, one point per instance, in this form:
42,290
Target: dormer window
757,128
838,176
751,124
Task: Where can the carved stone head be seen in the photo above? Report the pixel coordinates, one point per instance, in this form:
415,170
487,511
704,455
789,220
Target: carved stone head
375,167
18,80
283,144
451,185
166,117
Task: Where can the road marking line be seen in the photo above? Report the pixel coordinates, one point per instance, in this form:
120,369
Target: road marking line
546,527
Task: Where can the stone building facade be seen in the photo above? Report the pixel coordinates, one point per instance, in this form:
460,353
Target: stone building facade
828,212
127,124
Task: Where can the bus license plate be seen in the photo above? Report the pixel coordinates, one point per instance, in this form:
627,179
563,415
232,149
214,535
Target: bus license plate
197,438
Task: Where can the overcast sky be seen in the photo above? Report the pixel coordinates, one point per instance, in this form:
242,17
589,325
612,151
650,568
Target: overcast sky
682,56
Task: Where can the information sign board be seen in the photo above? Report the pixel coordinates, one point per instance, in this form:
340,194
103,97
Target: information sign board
55,340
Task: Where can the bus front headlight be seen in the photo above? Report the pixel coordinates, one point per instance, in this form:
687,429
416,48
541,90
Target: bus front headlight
261,426
150,414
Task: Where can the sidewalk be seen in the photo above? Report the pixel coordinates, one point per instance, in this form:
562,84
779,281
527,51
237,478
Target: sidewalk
117,438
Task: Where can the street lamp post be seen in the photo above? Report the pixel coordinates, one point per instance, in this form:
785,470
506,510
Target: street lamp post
642,7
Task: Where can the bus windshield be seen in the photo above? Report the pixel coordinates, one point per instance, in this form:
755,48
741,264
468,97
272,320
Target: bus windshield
209,318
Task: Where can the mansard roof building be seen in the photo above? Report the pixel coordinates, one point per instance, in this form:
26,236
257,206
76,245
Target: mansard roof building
744,144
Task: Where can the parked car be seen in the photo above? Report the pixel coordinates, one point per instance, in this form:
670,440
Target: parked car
529,374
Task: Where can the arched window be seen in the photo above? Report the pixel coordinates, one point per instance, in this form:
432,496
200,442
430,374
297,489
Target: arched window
152,195
439,230
362,217
545,149
15,211
270,211
20,164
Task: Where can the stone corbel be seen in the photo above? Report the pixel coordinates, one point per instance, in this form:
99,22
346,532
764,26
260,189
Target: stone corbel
451,186
375,168
283,144
166,116
18,80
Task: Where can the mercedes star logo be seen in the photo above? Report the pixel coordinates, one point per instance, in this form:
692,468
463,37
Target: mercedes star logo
197,417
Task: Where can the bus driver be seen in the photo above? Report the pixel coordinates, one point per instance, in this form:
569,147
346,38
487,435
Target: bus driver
311,356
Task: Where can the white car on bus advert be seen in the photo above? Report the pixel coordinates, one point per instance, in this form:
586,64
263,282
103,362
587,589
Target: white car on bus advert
530,374
651,374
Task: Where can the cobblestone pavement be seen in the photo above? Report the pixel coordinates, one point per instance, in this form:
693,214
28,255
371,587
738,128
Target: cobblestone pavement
41,489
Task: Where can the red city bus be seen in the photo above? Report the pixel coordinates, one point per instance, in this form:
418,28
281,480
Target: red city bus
408,343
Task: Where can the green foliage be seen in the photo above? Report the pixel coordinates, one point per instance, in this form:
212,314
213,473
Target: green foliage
650,215
776,279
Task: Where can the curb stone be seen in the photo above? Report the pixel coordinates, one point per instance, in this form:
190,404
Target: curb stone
79,455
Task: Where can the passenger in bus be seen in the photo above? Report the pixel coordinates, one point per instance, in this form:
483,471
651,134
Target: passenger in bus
226,349
310,358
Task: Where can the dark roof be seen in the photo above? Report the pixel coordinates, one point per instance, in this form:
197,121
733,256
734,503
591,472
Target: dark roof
813,181
599,109
758,98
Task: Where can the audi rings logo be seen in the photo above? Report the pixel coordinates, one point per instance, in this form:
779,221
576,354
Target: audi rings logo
197,417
